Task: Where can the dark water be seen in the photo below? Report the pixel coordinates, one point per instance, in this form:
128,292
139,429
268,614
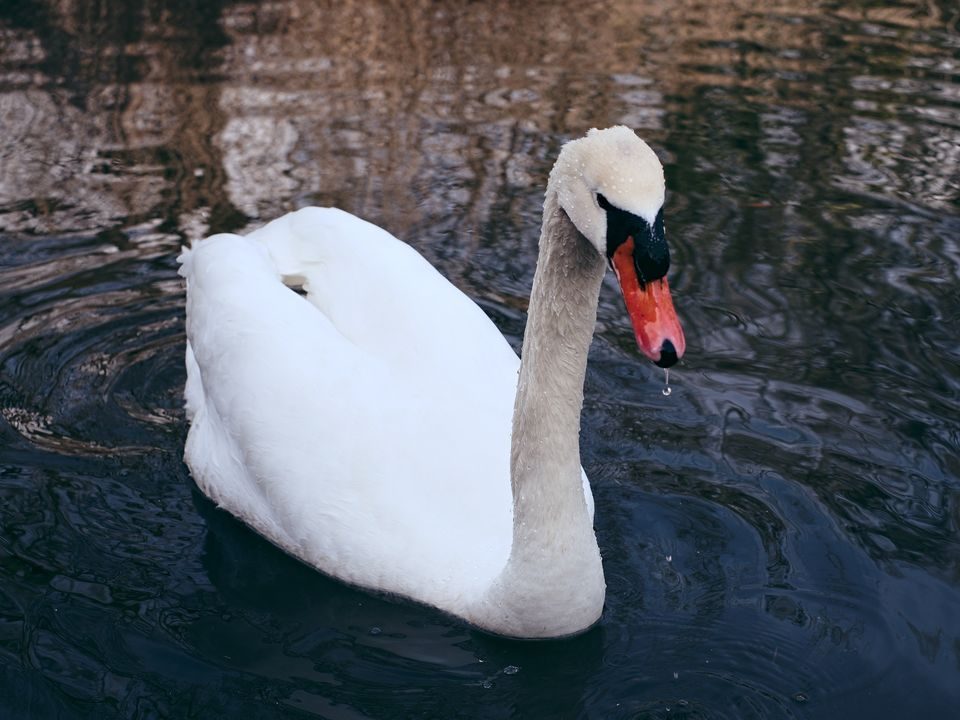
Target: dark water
780,535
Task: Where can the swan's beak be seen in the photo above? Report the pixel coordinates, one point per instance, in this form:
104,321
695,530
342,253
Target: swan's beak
655,322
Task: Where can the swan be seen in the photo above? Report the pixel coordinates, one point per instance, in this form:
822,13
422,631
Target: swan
381,429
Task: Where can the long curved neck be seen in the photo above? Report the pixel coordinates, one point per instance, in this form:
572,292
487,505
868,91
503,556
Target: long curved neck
553,582
545,453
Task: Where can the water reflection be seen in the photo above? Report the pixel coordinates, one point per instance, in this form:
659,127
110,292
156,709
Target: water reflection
780,534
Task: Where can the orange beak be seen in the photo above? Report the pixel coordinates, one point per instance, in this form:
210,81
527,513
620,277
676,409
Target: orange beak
655,322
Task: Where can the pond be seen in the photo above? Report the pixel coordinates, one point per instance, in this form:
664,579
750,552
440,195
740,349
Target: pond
781,535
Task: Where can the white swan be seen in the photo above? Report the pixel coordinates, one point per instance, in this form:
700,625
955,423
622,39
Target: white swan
366,427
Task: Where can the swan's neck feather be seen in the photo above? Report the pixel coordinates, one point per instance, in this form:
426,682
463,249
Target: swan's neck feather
553,582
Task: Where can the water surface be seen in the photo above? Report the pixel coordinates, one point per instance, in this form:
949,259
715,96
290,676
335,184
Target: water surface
780,535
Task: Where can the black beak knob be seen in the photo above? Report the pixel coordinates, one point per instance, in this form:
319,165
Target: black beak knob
668,355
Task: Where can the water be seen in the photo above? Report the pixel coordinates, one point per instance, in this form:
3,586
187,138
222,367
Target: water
780,535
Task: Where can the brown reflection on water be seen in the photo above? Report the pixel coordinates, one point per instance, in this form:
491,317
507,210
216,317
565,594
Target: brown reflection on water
412,110
408,110
102,113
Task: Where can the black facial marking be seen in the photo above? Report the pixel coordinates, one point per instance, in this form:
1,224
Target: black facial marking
651,256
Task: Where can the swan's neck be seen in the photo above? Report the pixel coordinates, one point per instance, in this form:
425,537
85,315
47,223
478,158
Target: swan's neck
553,582
545,457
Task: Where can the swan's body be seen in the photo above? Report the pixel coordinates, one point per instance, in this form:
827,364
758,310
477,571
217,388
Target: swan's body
409,404
366,428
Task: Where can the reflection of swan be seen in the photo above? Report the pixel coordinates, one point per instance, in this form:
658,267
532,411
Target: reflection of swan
366,427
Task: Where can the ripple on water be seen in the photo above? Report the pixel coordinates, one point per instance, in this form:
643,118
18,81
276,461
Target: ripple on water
92,372
708,595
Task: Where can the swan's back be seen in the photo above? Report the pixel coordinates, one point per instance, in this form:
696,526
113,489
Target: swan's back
365,427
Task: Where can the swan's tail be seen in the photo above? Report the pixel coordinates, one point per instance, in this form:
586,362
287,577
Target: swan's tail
185,260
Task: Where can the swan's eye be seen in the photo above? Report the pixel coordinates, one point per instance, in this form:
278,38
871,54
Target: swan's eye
603,202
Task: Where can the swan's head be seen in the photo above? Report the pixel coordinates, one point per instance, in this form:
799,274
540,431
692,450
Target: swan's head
610,184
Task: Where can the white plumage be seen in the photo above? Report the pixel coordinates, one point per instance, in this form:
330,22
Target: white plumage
366,427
